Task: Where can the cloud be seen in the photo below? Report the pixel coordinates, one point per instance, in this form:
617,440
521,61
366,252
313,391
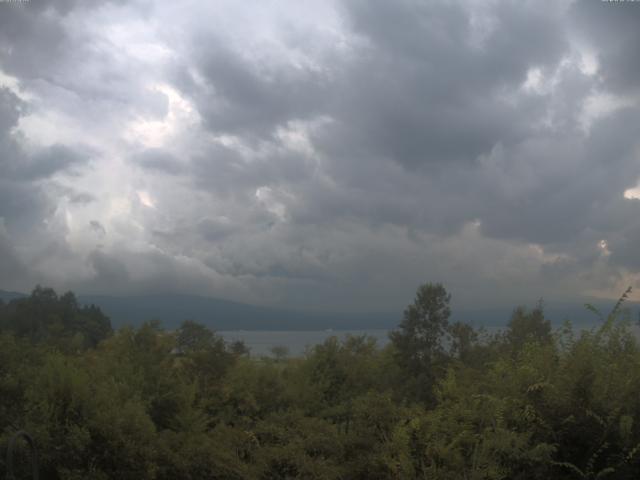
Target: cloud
331,155
611,31
108,269
424,89
51,160
10,110
97,227
159,160
12,269
247,96
82,198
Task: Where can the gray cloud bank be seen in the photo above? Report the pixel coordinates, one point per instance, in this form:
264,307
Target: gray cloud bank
331,155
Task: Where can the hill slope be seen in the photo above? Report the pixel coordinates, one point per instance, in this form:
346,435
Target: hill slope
219,314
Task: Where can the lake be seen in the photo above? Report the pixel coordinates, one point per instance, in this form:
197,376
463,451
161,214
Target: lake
260,342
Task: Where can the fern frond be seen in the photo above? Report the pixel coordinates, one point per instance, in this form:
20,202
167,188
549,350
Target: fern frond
594,457
605,471
570,466
594,310
596,417
619,303
634,451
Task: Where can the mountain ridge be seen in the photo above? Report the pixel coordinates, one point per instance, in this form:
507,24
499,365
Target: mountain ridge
224,315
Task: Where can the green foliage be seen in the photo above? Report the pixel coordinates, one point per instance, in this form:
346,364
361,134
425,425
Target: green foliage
418,341
45,317
145,403
525,327
464,341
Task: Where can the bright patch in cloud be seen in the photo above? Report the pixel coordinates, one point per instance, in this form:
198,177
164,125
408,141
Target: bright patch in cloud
157,133
534,81
145,199
632,193
270,199
589,63
601,105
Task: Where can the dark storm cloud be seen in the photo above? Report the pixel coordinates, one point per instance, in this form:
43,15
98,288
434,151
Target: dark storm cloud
22,206
34,38
11,267
18,165
578,180
130,273
27,198
74,66
624,244
611,28
240,94
51,160
22,203
226,171
215,230
426,90
108,269
435,87
11,108
423,87
158,160
299,155
34,33
219,169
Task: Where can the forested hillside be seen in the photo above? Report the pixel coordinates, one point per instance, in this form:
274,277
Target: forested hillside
441,401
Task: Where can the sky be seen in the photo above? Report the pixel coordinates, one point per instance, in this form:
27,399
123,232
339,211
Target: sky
328,155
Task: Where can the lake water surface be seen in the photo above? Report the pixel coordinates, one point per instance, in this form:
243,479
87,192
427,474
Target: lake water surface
260,342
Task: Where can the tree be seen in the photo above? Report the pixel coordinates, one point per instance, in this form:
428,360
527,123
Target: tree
58,320
279,352
239,348
193,337
206,357
525,327
419,339
463,340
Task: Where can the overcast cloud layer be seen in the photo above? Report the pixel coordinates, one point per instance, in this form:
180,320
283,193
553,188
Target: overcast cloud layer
328,154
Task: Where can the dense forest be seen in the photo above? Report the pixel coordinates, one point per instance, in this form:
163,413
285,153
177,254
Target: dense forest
441,401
